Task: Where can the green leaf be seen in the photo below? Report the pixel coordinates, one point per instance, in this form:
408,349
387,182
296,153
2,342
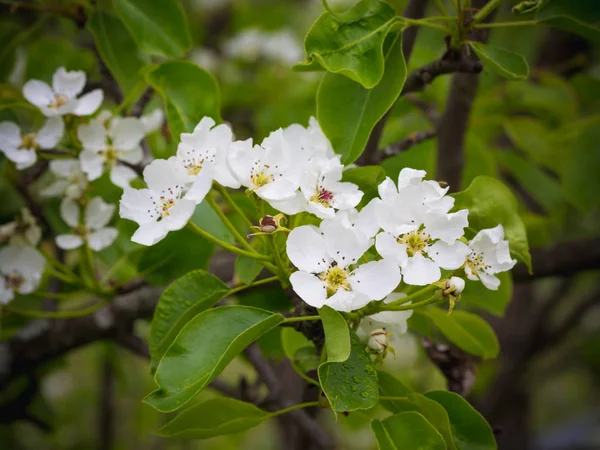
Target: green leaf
491,203
189,93
469,428
247,269
435,414
347,111
367,178
407,431
160,28
500,61
390,386
580,16
494,302
184,298
337,335
118,51
292,341
40,67
352,384
351,44
214,417
203,348
467,331
581,182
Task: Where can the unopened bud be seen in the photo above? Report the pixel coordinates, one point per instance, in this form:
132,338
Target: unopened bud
378,341
270,225
457,284
452,289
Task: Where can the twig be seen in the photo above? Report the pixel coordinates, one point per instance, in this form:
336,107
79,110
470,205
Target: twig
403,145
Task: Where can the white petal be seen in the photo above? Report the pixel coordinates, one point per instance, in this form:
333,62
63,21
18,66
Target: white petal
55,189
306,249
200,187
69,211
344,245
88,104
68,241
38,93
309,287
132,156
153,121
6,295
64,167
410,176
22,158
160,175
280,189
92,164
375,279
102,238
387,189
121,175
127,133
366,221
449,257
420,271
179,214
69,84
92,136
51,133
387,246
489,281
138,205
291,206
346,301
10,136
150,233
447,227
240,160
98,213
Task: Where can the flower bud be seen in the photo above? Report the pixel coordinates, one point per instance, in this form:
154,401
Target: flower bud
378,341
270,225
457,284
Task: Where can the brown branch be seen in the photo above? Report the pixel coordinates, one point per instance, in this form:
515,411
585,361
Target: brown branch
403,145
423,76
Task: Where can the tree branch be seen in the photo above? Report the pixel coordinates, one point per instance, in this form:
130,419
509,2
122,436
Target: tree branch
405,144
423,76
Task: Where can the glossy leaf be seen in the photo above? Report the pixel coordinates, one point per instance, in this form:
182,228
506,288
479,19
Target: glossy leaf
160,27
407,431
494,302
203,348
189,93
500,61
337,335
352,384
118,51
347,112
469,428
390,386
351,44
184,298
467,331
579,17
491,203
247,269
214,417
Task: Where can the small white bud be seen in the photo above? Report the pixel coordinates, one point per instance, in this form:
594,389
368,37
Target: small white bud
457,285
378,341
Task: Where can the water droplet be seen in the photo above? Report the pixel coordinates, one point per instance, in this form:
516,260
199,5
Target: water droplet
355,379
364,394
353,388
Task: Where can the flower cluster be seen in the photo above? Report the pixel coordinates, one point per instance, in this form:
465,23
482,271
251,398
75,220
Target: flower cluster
251,44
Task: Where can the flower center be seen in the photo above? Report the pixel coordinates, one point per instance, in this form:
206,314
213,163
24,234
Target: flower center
194,166
58,101
335,278
475,263
110,156
167,199
28,141
14,280
416,242
323,196
260,176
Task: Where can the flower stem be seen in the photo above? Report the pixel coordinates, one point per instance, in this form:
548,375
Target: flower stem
293,408
223,191
58,314
209,237
517,23
243,287
305,377
433,299
441,7
486,10
300,319
425,24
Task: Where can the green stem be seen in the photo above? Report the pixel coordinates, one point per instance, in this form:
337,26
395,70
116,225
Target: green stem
433,299
425,24
519,23
237,289
223,191
305,377
375,307
441,7
293,408
241,239
89,263
58,314
209,237
300,319
281,268
486,10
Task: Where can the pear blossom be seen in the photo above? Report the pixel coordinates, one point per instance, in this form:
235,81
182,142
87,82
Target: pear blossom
455,286
247,45
21,149
488,255
22,231
162,207
21,269
394,322
360,222
153,121
92,230
329,272
109,143
201,157
419,233
62,98
283,47
70,179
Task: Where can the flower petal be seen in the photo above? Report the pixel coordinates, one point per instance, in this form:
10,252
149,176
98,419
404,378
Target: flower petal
127,133
92,164
51,133
102,238
489,281
69,211
447,256
375,279
344,245
132,156
138,205
68,83
387,246
92,136
420,271
38,93
68,241
346,301
150,233
160,175
88,104
387,189
306,249
22,158
200,187
10,136
121,176
179,214
309,288
98,213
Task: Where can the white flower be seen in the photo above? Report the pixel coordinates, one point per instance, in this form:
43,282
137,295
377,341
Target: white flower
308,143
23,231
323,190
205,58
109,144
283,47
489,254
456,285
70,180
394,322
93,230
153,121
329,273
270,169
61,98
202,157
246,45
22,149
162,207
362,222
21,269
419,233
